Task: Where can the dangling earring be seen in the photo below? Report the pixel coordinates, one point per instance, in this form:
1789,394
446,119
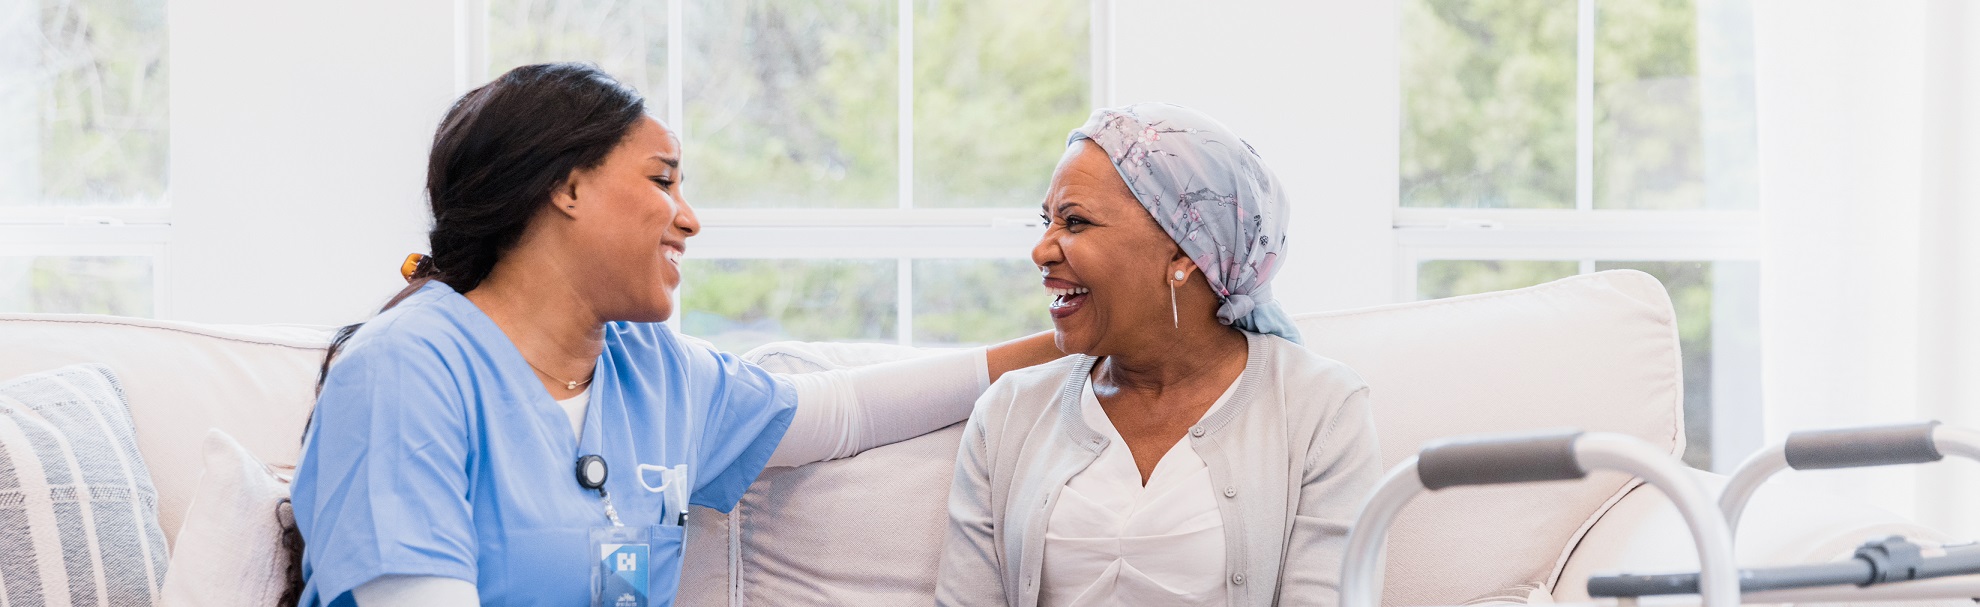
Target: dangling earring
1175,316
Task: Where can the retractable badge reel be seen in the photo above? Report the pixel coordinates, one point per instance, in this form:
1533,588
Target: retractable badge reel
622,574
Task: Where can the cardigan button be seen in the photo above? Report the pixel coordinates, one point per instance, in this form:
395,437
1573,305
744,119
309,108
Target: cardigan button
1196,431
1237,578
1230,492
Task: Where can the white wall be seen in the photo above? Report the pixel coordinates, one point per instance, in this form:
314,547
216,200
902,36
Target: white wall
1313,86
1866,181
299,137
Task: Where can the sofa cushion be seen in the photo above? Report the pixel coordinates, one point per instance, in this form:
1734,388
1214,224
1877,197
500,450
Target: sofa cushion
78,521
875,541
1597,352
256,383
229,551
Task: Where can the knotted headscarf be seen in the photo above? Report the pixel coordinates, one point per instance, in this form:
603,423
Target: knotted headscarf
1214,197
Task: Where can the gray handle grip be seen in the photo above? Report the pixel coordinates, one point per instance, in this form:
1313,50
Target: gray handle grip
1499,459
1861,447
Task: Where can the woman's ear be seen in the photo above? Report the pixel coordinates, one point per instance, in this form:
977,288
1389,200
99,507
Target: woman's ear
1180,268
565,195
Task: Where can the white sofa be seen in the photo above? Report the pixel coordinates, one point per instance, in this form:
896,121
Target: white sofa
1597,352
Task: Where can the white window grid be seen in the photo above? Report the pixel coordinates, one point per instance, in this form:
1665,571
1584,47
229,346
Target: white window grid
902,234
1584,232
1588,236
94,231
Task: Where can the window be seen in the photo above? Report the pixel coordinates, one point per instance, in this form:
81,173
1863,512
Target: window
1547,138
83,155
869,169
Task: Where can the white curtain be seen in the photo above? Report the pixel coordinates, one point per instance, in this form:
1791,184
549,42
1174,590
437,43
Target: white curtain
1868,126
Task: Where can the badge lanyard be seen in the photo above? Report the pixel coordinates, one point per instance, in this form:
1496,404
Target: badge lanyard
622,574
592,472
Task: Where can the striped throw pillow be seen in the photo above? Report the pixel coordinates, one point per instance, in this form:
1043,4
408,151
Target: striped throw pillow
78,514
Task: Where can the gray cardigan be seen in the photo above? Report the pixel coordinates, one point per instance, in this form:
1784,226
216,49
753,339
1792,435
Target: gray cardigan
1293,450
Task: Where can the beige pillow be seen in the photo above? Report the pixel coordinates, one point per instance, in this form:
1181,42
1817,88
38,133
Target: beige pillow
230,548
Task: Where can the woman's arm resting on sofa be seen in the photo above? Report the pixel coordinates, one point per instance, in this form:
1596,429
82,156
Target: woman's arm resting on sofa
841,413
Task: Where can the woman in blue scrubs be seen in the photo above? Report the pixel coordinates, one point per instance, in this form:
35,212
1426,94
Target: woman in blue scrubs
442,464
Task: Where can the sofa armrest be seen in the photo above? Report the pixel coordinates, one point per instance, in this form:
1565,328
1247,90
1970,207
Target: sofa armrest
1785,524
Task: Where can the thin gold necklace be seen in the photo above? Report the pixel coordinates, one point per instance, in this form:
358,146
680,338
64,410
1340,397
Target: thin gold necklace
568,385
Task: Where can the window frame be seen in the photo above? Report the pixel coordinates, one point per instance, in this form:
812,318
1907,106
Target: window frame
903,233
1589,235
38,228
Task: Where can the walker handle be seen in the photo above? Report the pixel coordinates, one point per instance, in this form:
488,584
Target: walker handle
1500,459
1909,443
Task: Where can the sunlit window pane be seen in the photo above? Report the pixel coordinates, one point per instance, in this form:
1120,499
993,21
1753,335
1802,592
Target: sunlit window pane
1648,147
626,38
997,85
792,103
741,304
1665,137
1450,278
76,285
1488,117
83,115
973,302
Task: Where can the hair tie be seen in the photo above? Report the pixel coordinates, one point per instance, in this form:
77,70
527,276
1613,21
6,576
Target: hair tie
413,266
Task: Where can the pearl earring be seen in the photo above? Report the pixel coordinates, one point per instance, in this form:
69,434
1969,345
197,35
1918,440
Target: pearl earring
1180,275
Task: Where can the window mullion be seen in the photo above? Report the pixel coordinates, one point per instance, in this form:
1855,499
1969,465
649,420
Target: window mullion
904,298
1584,106
905,103
676,45
676,49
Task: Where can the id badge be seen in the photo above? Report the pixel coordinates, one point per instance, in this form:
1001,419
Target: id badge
620,577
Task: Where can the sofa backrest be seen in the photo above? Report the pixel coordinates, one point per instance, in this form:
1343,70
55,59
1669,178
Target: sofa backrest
254,382
1597,352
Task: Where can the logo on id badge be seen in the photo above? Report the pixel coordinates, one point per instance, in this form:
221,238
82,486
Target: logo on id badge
625,560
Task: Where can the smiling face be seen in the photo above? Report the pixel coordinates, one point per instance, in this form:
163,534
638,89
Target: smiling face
630,225
1105,261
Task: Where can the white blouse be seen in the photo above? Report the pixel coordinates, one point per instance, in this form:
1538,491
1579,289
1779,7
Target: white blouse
1111,541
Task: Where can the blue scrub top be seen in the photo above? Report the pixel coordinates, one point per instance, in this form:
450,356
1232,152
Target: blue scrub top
435,451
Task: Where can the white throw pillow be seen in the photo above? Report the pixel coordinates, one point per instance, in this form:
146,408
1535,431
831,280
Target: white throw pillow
230,547
78,514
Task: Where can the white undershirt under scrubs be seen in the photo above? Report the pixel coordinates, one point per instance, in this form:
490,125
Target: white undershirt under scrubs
1113,542
574,408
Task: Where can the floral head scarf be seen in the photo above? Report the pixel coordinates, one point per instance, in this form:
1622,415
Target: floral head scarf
1214,197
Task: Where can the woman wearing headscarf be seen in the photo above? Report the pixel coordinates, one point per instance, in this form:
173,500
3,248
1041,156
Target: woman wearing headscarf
1191,452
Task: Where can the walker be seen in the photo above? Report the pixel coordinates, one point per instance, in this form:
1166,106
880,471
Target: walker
1884,569
1523,458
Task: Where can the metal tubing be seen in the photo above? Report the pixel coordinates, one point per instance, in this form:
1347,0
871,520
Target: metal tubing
1367,549
1362,567
1747,479
1941,588
1902,442
1718,576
